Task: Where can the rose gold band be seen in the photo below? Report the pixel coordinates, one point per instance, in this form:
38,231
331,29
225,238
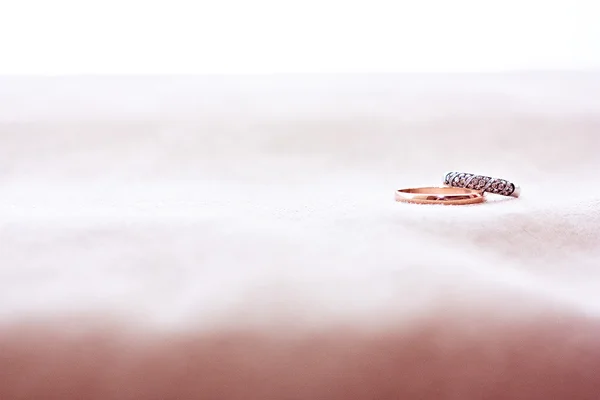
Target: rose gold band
439,195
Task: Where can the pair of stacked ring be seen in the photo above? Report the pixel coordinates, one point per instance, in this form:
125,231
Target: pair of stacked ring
462,188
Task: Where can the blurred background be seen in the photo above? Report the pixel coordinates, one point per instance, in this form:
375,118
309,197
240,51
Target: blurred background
268,36
217,166
130,118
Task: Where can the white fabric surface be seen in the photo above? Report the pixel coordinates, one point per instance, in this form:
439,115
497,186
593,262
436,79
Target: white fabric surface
204,204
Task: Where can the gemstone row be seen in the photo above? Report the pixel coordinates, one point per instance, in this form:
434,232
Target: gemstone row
479,182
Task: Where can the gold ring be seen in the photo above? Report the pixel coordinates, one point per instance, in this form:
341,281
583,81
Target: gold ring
439,195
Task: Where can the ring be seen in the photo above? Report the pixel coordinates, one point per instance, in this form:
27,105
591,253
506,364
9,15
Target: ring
482,183
439,195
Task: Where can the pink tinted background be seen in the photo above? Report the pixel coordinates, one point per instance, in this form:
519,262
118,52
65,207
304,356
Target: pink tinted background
236,237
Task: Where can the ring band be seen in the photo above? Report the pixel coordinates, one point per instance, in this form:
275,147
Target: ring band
439,195
483,183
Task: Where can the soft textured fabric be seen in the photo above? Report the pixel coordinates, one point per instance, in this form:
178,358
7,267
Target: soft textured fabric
237,238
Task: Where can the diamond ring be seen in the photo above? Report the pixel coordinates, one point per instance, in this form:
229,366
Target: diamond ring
482,183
